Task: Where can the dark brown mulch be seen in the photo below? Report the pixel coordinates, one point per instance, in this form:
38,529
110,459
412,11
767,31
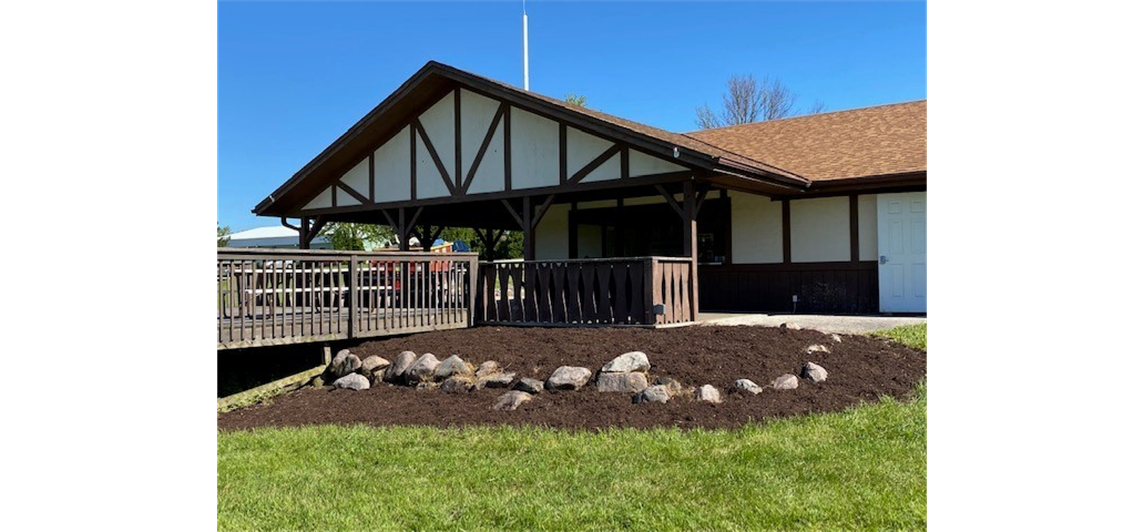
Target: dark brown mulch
861,369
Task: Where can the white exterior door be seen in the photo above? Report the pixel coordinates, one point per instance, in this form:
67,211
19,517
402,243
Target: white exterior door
902,252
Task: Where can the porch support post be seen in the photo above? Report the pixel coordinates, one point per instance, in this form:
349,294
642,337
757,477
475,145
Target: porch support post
402,231
529,234
303,242
691,243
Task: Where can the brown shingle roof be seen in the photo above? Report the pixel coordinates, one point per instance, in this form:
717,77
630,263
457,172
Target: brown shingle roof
872,141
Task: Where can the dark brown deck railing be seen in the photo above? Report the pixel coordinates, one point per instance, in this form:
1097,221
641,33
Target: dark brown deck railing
616,291
271,297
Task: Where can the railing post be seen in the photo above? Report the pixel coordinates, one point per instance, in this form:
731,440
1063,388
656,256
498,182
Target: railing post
472,288
352,304
649,292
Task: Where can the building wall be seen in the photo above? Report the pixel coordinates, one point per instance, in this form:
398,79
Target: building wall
820,230
756,229
552,233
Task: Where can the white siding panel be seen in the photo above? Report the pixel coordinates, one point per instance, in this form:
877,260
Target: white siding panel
868,227
756,229
820,230
391,169
609,170
429,181
345,199
477,114
641,164
552,234
583,148
358,179
439,124
321,201
535,150
490,174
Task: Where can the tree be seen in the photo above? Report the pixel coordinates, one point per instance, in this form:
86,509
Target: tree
223,235
510,245
576,99
354,237
750,100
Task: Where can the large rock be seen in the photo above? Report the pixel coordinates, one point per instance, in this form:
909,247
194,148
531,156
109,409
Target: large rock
785,382
627,362
343,364
422,370
452,366
837,339
708,394
817,348
528,385
456,385
496,380
511,400
353,381
748,386
396,370
652,394
373,363
791,326
621,382
488,367
813,372
568,378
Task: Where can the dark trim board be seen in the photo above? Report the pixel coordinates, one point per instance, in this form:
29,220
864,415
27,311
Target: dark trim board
835,287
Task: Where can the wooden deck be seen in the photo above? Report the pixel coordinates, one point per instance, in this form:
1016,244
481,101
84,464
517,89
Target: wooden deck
269,297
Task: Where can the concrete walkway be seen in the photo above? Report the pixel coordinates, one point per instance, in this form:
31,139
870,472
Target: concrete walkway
826,323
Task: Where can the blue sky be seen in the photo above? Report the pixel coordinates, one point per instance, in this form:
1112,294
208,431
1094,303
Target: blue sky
294,76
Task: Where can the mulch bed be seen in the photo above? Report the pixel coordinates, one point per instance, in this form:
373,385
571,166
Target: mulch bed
861,369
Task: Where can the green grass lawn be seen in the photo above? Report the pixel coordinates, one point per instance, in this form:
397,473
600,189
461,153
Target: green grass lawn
862,469
911,335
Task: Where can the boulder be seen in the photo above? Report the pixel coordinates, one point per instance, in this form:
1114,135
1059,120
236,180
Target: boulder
785,382
813,372
621,382
748,386
791,326
456,385
568,378
837,339
496,380
708,394
394,372
318,382
673,386
343,364
372,364
627,362
452,366
817,348
511,400
528,385
353,381
488,367
422,370
377,377
652,394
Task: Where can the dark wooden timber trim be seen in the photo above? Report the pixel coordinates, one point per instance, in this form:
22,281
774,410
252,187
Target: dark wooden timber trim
691,244
563,151
457,140
625,164
436,158
315,228
333,196
507,147
484,148
650,180
357,195
853,228
599,160
416,214
786,231
512,211
529,234
542,210
671,201
412,162
371,178
303,232
403,230
699,199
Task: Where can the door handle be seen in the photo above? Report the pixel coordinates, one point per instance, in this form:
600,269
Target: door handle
882,259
